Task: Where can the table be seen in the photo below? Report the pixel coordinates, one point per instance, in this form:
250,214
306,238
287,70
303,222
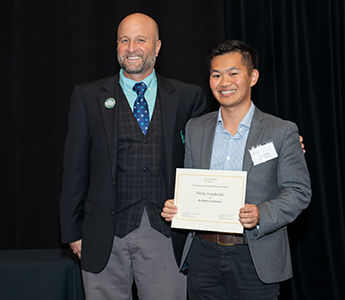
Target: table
40,274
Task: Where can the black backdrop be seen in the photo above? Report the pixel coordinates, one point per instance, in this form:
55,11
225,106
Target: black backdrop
47,47
302,61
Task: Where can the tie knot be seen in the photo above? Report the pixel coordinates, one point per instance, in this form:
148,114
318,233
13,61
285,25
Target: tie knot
140,88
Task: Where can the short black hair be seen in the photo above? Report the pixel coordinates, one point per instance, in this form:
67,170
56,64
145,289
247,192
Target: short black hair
249,54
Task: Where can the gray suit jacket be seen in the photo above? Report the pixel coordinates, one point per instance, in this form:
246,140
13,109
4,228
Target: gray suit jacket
279,187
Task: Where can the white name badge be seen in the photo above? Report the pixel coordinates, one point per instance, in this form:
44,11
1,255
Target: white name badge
263,153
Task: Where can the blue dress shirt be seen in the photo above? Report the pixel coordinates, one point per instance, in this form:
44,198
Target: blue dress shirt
228,150
150,94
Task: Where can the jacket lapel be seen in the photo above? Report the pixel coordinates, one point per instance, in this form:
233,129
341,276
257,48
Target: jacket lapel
207,140
109,115
257,129
168,114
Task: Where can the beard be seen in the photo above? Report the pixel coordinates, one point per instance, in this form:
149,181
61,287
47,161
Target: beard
147,62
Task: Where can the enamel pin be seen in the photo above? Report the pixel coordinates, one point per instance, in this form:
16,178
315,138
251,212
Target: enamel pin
109,103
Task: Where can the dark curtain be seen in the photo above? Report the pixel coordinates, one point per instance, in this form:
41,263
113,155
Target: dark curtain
301,49
47,47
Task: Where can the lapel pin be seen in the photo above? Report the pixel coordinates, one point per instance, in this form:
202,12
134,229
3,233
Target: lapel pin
109,103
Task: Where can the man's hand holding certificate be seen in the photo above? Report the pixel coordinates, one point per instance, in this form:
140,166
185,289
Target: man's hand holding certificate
209,199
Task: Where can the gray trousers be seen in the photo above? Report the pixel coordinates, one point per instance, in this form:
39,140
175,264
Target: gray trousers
144,255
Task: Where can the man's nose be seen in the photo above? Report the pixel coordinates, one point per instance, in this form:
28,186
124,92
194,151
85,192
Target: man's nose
225,81
131,46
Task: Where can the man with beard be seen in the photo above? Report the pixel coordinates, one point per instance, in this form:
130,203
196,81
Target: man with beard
119,169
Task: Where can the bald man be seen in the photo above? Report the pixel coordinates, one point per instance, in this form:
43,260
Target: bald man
119,169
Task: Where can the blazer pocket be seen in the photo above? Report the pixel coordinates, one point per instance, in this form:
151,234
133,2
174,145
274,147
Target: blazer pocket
88,206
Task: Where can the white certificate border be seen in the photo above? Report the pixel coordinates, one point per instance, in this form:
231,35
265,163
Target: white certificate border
208,173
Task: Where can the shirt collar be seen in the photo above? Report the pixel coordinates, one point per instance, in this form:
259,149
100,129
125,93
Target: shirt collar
127,84
246,121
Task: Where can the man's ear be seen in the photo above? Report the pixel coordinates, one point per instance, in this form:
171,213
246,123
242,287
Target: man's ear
254,76
158,46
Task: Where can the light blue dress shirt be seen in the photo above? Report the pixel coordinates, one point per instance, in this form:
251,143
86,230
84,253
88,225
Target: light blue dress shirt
150,94
228,150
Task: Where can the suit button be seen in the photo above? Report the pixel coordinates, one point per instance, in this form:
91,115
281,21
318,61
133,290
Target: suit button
145,169
136,224
112,213
145,197
146,141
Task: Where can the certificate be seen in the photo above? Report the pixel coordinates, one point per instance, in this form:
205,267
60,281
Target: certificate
209,200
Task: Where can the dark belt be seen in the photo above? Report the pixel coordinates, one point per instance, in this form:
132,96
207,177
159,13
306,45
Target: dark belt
224,239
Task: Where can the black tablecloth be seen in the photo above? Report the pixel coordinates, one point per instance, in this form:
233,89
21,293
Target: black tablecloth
48,274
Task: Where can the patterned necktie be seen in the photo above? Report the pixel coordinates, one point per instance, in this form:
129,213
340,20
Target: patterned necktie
140,108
